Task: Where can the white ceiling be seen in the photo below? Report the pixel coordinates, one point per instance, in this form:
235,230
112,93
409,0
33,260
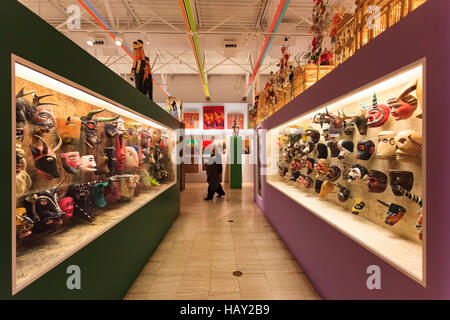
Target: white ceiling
160,23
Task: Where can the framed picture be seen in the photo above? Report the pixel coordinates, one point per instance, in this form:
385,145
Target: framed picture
191,120
213,118
235,118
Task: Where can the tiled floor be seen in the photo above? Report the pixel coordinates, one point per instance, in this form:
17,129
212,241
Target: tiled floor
212,239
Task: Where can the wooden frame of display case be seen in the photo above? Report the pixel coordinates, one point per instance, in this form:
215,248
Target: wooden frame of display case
366,233
132,206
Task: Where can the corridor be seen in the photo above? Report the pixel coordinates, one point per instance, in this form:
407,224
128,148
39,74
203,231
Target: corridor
208,242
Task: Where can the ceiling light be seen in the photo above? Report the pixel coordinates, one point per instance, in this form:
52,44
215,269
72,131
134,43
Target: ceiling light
118,41
90,41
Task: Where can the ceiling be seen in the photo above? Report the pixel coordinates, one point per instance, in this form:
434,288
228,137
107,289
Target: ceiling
161,24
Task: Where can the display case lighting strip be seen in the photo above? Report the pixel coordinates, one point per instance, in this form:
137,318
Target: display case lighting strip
32,75
279,14
193,39
91,10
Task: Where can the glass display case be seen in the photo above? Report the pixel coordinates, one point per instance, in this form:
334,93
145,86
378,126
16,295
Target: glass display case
358,163
82,165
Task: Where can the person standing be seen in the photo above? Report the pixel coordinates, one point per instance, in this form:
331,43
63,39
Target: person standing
214,175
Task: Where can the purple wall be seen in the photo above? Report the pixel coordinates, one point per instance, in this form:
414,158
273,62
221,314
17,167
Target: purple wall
335,264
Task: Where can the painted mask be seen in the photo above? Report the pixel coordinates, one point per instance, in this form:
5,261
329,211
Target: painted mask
361,121
71,161
98,194
45,159
326,188
301,180
23,179
146,138
343,193
366,148
112,192
310,164
24,224
334,150
309,147
43,113
357,172
66,204
326,134
80,194
309,182
377,181
386,145
405,104
321,166
334,172
395,213
103,166
322,151
318,185
408,145
140,154
404,179
295,176
44,207
345,148
314,135
145,179
349,127
131,158
120,153
69,129
378,113
358,206
89,125
87,163
24,112
110,152
127,185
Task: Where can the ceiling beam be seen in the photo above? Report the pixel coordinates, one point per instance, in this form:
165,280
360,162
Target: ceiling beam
262,14
241,12
110,14
131,11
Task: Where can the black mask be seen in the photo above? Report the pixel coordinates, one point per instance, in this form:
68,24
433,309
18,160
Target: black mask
334,172
377,181
82,201
110,152
361,124
318,186
295,176
404,179
333,149
343,193
366,148
322,151
314,135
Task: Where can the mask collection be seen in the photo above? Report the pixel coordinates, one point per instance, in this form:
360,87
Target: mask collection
118,163
298,143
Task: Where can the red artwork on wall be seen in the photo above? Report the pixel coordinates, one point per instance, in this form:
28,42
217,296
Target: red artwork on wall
191,120
213,118
237,118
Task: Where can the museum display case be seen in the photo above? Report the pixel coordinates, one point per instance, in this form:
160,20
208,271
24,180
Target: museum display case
82,164
357,163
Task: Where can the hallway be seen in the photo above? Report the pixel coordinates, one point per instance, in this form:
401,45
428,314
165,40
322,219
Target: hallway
212,239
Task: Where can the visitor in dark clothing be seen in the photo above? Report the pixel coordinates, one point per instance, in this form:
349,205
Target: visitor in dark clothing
214,175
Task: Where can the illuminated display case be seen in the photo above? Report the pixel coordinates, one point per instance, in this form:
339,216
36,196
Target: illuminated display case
82,164
358,163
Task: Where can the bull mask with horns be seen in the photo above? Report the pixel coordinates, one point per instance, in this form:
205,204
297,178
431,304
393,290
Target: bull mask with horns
45,159
90,126
378,113
43,207
42,113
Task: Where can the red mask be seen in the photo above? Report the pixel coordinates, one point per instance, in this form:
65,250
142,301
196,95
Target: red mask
112,193
120,153
66,205
71,161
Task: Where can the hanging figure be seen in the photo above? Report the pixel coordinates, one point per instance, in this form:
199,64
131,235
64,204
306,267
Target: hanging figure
138,69
148,70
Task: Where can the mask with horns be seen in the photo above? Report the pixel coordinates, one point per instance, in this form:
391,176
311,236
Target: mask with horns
45,159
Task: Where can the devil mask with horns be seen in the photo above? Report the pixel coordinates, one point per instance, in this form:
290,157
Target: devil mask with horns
90,126
45,159
43,207
378,113
24,113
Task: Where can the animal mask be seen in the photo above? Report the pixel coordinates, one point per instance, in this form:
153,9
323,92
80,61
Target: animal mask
131,158
309,147
66,204
358,206
378,113
314,135
80,194
366,148
98,194
45,159
23,223
69,129
357,172
326,188
343,193
112,192
23,179
361,121
386,145
345,148
377,181
405,104
334,172
42,114
44,207
90,127
349,127
404,179
71,161
87,163
408,145
395,213
334,150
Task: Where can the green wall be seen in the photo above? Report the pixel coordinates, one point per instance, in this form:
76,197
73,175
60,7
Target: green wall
236,165
112,262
